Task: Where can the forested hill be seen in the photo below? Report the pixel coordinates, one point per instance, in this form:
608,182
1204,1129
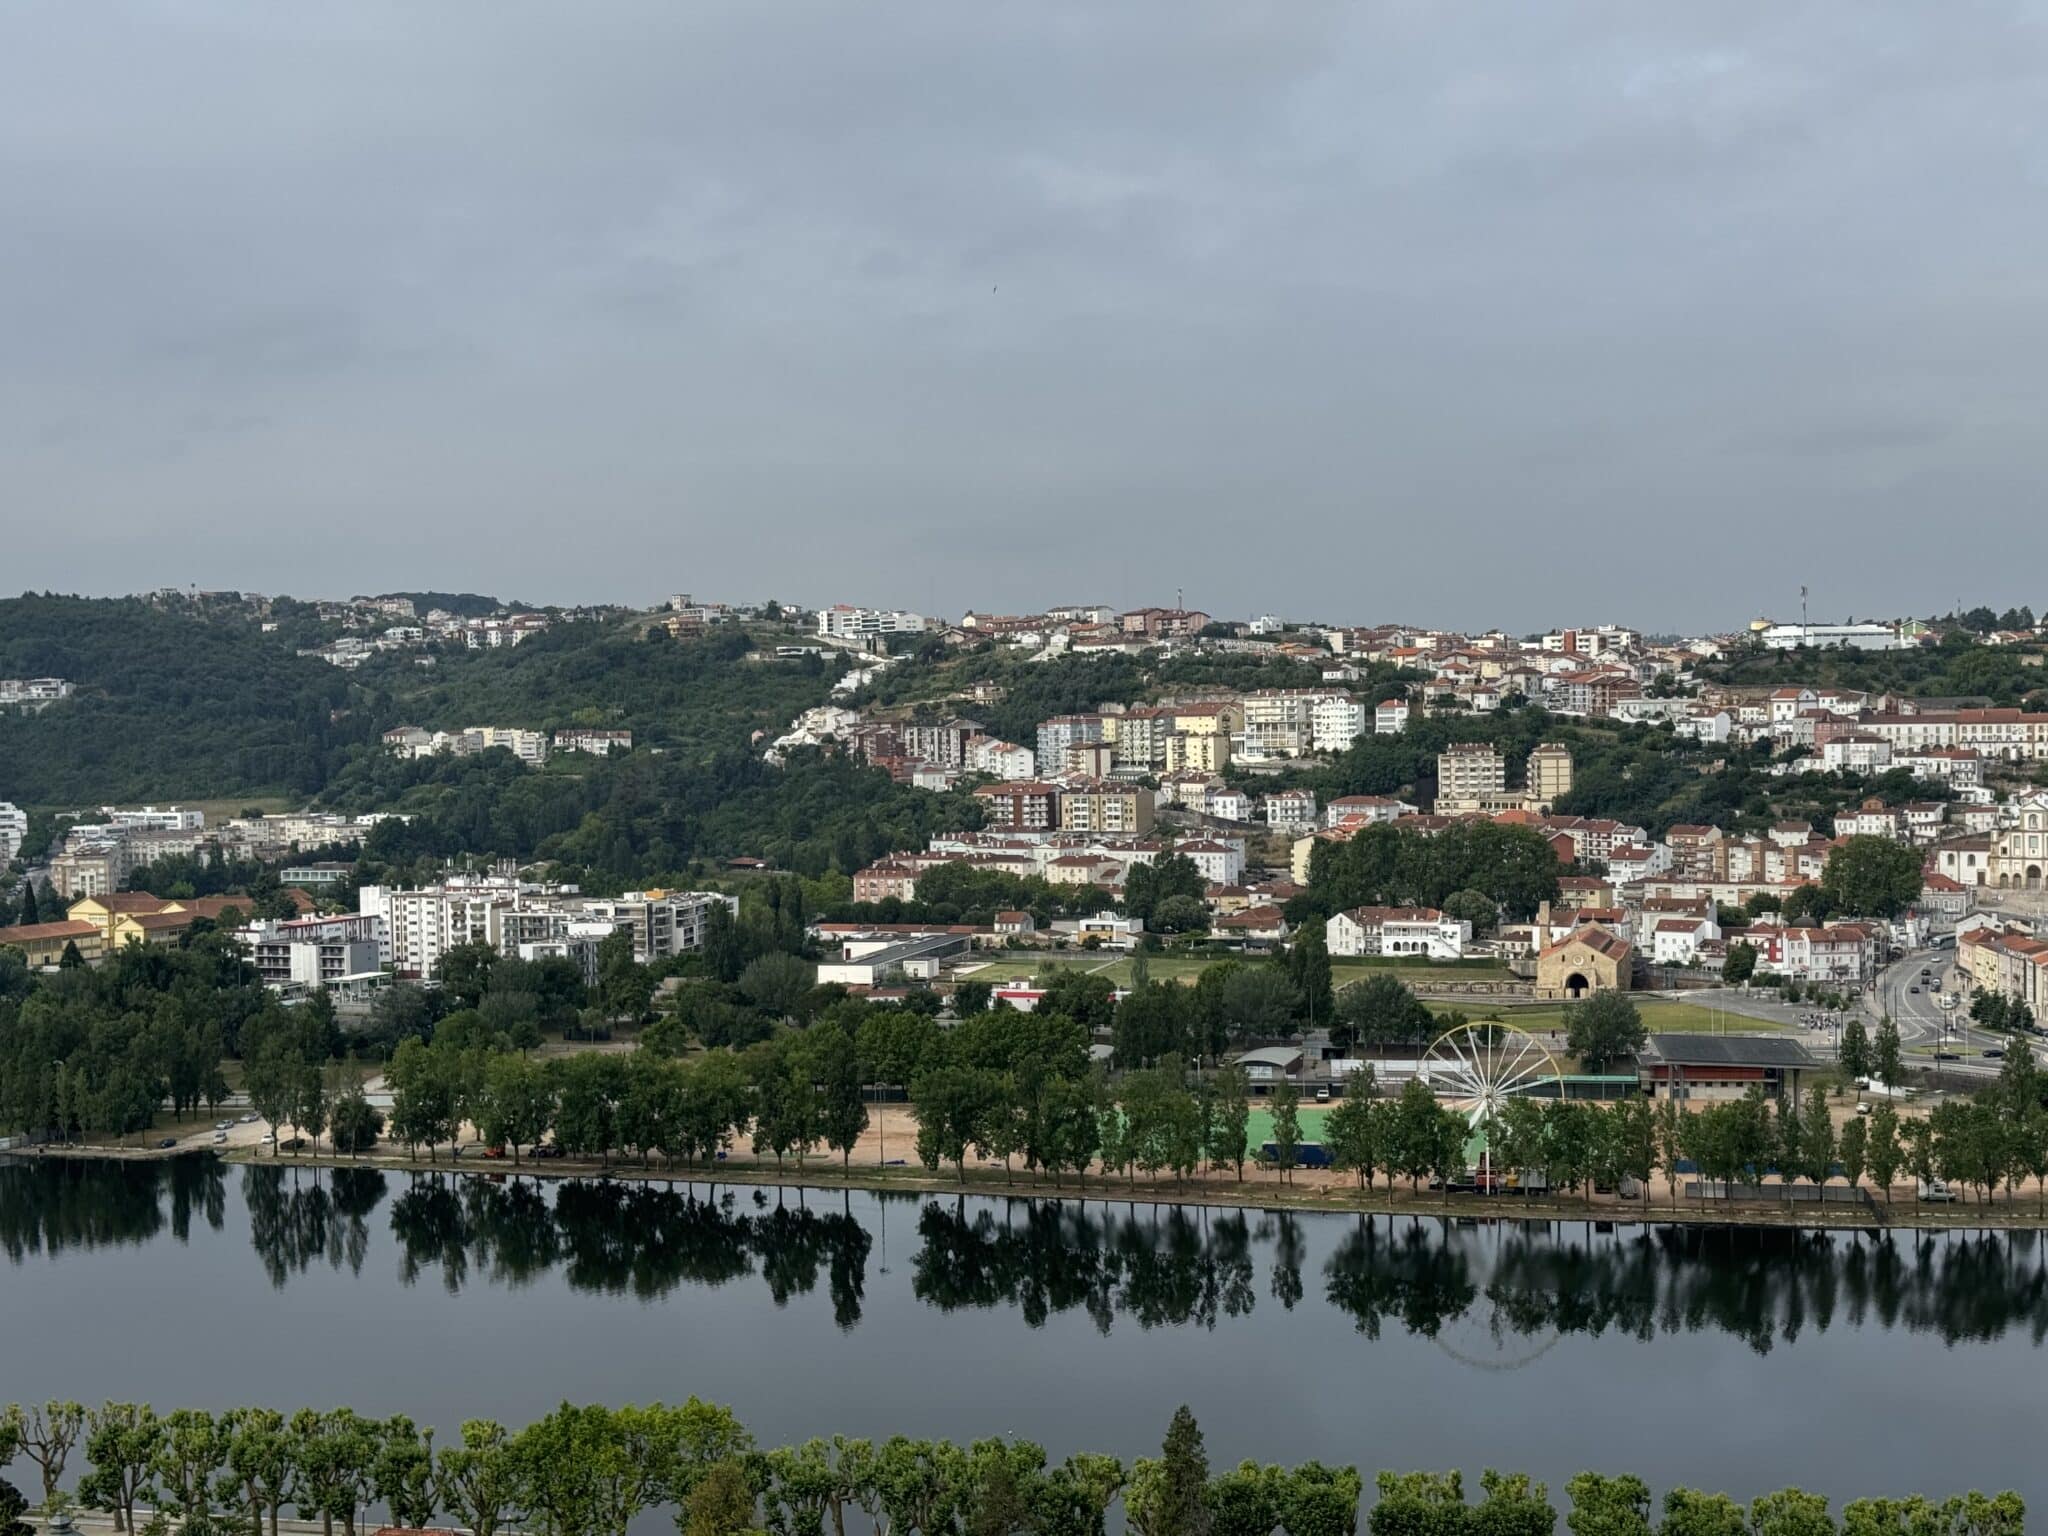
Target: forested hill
169,705
695,697
187,703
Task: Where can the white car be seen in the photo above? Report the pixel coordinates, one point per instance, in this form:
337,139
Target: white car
268,1137
221,1125
248,1119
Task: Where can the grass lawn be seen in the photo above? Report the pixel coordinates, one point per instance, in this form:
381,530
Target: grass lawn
1659,1016
1185,968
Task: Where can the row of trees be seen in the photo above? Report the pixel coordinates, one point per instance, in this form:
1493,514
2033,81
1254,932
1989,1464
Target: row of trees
1998,1137
593,1471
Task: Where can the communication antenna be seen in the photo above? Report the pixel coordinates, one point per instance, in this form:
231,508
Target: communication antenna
1805,625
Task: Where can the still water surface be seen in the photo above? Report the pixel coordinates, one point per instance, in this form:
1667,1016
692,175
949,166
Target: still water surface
1746,1360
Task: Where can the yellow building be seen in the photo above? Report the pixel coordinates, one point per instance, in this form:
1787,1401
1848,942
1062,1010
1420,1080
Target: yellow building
1588,959
150,928
1197,751
43,943
1550,776
1221,717
105,912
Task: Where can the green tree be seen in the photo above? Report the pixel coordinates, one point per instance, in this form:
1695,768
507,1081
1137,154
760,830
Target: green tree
1854,1053
1352,1130
122,1442
480,1480
1740,964
1420,1504
1308,968
1379,1011
1286,1127
1170,1497
1602,1506
1888,1059
1790,1512
1605,1026
1872,876
1816,1150
1854,1151
46,1433
1687,1513
1230,1120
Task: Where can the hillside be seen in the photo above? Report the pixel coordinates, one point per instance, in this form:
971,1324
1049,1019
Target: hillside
169,705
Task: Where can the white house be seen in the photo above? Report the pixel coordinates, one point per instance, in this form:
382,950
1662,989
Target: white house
1220,860
1229,804
1390,717
1421,931
1290,809
1677,940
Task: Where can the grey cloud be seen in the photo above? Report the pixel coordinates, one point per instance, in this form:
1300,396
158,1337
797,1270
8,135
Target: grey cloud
1478,314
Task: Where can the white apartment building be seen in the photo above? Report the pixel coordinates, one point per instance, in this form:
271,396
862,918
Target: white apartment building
530,747
1290,810
1278,722
1336,720
1390,717
150,819
841,622
420,926
1469,772
13,830
1057,736
1000,759
315,952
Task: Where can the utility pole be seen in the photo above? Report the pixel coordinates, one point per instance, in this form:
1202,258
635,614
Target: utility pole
1805,624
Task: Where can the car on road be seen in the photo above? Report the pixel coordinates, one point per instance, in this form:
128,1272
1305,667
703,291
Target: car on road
1936,1191
221,1125
1914,989
167,1143
248,1119
268,1138
1993,1053
548,1151
1946,1056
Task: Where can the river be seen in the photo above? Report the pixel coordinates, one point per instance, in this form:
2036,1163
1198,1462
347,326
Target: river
1742,1359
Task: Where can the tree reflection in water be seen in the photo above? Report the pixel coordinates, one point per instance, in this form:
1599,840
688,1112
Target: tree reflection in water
1151,1265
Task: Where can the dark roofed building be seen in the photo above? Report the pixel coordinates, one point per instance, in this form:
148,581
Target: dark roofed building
1709,1067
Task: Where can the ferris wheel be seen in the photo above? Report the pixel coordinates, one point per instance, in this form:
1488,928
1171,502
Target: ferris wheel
1477,1068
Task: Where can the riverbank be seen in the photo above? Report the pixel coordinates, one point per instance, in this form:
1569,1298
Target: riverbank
1257,1191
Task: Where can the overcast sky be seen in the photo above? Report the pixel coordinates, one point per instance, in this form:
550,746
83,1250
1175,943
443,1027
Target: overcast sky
1452,313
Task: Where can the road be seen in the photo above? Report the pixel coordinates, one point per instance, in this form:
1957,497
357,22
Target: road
1920,1015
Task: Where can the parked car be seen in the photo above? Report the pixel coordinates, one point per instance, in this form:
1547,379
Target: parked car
494,1152
221,1125
1936,1191
248,1119
1323,1095
548,1151
1864,1109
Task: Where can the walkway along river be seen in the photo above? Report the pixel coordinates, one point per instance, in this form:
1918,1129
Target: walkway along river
1852,1363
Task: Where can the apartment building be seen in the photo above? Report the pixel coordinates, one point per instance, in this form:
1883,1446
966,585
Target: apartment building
13,830
1023,806
1469,774
1549,775
595,743
1101,805
1163,623
315,952
841,622
1205,753
1062,732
